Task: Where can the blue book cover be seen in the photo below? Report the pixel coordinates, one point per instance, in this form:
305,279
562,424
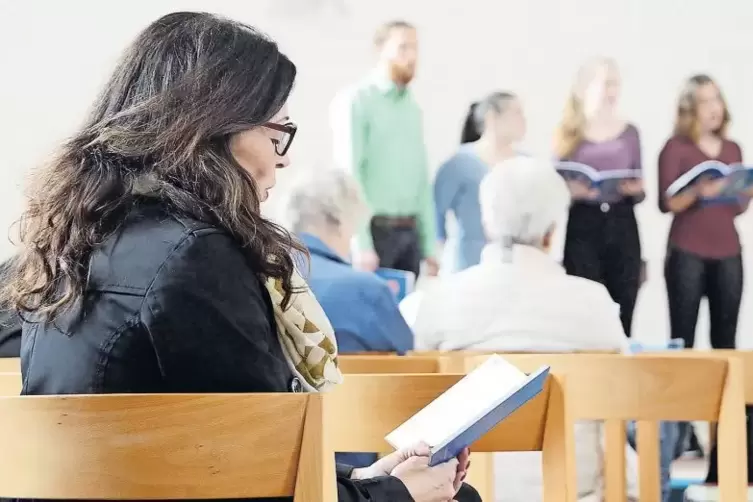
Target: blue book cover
469,409
401,282
606,182
739,179
672,345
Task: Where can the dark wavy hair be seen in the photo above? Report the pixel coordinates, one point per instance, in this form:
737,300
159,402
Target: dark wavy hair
473,127
186,84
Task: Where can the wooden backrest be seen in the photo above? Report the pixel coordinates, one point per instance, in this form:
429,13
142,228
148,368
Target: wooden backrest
744,356
10,384
615,388
173,446
394,364
10,365
365,408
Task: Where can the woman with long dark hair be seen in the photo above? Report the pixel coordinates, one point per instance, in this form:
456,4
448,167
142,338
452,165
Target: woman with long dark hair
145,265
493,128
602,241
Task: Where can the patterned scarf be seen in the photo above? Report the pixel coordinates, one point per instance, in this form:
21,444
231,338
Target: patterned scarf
306,336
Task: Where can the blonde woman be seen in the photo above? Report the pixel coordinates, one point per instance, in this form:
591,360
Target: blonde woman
602,241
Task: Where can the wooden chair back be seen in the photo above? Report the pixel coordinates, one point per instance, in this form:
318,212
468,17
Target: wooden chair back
616,388
170,446
744,356
365,408
10,365
393,364
10,384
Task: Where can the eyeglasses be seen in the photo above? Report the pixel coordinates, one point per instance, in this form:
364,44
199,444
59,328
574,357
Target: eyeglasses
282,144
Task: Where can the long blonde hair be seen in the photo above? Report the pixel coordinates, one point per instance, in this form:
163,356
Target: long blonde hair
570,131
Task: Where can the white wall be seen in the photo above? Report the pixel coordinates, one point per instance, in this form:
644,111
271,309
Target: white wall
54,56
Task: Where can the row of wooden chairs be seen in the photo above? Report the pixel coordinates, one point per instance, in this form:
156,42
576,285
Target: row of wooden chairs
235,446
617,388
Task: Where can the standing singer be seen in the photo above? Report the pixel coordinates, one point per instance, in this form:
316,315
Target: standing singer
602,241
378,133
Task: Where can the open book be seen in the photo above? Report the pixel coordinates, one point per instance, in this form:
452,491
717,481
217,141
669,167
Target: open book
739,179
606,182
401,282
469,409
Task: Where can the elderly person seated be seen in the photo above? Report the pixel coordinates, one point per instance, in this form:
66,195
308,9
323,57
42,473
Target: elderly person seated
10,325
325,209
519,299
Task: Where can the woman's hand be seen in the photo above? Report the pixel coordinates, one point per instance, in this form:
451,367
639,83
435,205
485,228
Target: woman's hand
581,191
710,188
385,465
631,188
464,463
428,484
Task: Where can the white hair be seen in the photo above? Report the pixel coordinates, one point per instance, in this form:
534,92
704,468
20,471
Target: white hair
522,199
323,198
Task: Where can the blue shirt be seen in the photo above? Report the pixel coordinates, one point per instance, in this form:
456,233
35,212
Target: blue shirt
362,310
360,306
456,189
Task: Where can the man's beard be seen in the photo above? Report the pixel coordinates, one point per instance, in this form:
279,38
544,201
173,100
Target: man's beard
402,75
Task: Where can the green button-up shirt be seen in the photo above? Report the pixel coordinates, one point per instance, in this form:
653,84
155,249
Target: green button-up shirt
379,133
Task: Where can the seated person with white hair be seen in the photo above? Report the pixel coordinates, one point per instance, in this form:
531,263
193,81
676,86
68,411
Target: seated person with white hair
520,299
325,209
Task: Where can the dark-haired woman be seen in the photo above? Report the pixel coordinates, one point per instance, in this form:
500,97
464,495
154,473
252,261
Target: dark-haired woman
145,265
493,128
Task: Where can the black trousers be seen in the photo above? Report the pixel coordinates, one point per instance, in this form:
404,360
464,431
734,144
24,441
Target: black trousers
602,244
689,278
397,243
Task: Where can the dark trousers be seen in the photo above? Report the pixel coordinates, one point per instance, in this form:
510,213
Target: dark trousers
397,243
602,244
689,278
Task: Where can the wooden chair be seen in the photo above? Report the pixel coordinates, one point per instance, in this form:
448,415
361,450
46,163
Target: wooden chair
10,384
359,364
616,388
360,412
176,446
10,365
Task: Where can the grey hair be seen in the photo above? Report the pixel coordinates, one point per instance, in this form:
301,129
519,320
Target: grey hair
323,198
522,199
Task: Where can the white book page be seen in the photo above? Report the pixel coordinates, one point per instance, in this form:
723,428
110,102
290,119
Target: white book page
460,406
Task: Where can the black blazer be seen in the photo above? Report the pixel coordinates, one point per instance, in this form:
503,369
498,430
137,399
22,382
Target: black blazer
172,305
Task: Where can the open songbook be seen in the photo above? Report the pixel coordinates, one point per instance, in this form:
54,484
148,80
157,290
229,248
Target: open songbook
401,282
739,179
469,409
606,182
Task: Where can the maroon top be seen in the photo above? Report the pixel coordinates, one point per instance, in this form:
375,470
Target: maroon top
707,231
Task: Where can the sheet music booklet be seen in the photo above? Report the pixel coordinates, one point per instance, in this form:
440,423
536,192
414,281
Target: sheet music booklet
469,409
607,182
739,180
401,282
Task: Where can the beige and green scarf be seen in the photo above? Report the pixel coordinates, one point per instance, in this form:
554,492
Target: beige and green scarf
306,336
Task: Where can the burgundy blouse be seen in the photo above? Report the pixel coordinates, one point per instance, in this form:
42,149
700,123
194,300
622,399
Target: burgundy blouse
709,231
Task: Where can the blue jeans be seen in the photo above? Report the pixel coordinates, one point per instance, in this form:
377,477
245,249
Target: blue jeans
668,437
